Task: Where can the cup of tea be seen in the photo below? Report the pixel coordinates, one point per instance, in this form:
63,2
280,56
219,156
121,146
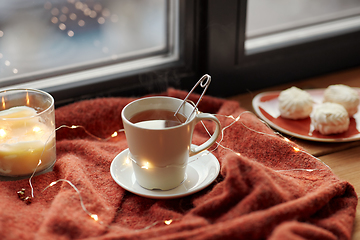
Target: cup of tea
160,142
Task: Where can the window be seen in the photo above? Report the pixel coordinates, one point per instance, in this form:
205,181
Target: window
60,44
82,48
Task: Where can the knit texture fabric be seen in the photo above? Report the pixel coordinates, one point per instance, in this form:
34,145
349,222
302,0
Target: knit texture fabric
266,188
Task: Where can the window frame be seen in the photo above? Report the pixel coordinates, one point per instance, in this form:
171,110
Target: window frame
236,72
139,77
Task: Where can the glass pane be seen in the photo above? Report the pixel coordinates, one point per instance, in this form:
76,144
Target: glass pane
286,22
44,38
269,16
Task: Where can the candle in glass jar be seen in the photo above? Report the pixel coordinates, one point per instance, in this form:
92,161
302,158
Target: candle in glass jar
24,141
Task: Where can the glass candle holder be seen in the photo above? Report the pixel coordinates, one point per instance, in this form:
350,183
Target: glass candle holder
27,132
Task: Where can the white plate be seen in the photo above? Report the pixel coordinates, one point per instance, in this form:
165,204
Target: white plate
201,171
266,106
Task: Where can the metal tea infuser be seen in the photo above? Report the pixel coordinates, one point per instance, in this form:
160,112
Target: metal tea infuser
204,83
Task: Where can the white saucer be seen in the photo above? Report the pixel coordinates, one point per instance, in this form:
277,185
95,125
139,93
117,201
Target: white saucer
200,173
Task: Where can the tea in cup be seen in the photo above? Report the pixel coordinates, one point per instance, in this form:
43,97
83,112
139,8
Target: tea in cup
160,141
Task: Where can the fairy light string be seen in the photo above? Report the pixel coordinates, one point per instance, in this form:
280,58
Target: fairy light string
91,215
28,199
114,134
275,135
69,127
287,141
95,217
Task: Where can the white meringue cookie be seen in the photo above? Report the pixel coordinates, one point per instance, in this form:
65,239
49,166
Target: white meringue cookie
330,118
295,103
344,95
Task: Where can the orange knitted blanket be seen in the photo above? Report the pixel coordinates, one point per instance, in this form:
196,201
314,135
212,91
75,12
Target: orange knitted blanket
263,190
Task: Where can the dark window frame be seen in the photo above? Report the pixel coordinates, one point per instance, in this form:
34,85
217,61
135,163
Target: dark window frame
234,72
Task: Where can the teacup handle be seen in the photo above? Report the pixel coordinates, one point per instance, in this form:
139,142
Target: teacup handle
212,139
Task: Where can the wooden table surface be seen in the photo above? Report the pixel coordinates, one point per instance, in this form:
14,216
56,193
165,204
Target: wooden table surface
342,158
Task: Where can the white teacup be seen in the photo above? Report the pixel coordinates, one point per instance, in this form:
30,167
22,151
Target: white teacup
160,154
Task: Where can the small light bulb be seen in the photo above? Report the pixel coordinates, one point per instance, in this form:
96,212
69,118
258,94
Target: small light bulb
95,217
52,184
146,166
296,149
168,222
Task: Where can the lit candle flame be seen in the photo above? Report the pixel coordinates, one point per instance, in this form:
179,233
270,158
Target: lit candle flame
114,134
27,99
2,133
3,102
